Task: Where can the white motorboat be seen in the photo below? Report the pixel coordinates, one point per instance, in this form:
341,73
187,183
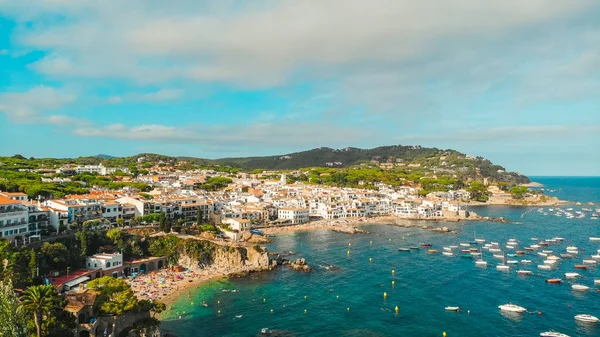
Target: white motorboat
544,267
512,262
572,248
494,250
553,257
494,243
452,308
481,263
553,334
597,282
580,287
525,261
502,267
590,262
453,247
448,253
550,262
448,249
546,251
480,240
499,256
511,307
594,239
542,254
571,275
596,257
586,318
465,245
524,272
559,239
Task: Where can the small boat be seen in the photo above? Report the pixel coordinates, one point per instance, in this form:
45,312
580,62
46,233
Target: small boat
546,251
586,318
554,280
426,245
465,250
580,287
596,257
566,256
581,266
452,308
542,254
453,247
204,304
553,334
550,262
448,249
590,262
572,248
465,245
544,267
433,251
512,262
498,256
526,261
470,256
502,267
597,282
534,239
520,252
511,255
559,239
239,316
553,257
404,249
594,239
571,275
494,243
448,253
494,250
472,250
529,249
480,240
511,308
524,272
481,263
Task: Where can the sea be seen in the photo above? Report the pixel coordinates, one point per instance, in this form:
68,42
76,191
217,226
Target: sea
371,278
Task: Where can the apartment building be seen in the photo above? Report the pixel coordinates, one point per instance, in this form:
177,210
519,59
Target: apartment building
294,215
13,218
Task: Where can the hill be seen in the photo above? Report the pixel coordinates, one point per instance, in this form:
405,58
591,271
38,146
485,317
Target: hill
415,159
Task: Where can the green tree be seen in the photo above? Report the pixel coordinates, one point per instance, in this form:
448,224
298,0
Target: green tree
13,323
518,192
54,255
115,296
478,191
120,222
39,302
199,218
116,236
33,264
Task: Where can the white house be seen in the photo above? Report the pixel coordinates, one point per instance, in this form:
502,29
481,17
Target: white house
295,215
13,218
239,225
104,261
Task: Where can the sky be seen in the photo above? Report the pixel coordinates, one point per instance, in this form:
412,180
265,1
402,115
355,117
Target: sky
517,82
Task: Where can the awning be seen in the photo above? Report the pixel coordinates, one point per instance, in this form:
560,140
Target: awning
76,281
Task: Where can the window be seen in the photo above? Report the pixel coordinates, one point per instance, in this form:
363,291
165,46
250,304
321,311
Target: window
107,264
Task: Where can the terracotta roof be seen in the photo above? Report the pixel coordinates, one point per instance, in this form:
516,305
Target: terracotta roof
8,201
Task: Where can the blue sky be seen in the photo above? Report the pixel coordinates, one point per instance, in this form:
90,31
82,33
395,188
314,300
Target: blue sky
515,81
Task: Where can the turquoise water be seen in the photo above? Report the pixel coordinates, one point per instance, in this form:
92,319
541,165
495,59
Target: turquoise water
423,283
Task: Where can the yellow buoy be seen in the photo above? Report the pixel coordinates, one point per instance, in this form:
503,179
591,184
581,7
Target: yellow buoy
390,239
384,295
192,303
393,282
469,312
348,252
305,311
396,309
338,296
444,334
264,300
348,309
393,271
370,259
403,237
349,245
271,310
219,311
305,297
370,242
219,302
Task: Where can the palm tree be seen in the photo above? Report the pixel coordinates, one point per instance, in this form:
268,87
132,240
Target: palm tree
39,301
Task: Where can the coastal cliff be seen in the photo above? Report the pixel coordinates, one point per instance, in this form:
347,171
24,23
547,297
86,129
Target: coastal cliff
228,260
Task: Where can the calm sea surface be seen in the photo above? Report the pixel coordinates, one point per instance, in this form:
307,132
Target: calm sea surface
423,283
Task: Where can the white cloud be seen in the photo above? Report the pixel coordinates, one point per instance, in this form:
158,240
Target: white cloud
258,134
35,104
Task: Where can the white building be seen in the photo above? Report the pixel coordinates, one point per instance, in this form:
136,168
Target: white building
239,225
13,218
100,169
295,215
104,261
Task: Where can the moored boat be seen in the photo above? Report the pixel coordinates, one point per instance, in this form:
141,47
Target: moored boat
544,267
586,318
452,308
404,249
594,239
502,267
448,253
511,308
524,272
581,266
553,334
525,261
571,275
481,263
590,262
580,287
433,251
554,280
566,256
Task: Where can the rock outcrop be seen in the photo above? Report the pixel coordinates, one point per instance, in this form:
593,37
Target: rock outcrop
300,265
229,260
254,238
348,230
